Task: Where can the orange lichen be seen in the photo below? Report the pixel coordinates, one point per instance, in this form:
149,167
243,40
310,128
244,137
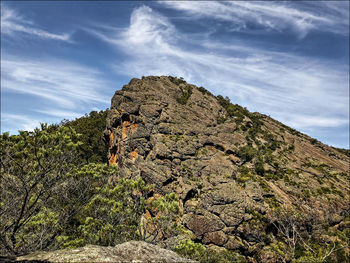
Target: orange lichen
113,159
133,154
125,129
147,214
134,127
111,138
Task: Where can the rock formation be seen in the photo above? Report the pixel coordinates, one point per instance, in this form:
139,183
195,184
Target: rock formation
230,168
134,251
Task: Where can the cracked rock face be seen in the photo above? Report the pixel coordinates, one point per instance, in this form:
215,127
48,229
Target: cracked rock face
169,144
169,132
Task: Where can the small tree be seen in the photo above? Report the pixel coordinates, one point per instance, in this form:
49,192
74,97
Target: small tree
32,164
299,245
161,219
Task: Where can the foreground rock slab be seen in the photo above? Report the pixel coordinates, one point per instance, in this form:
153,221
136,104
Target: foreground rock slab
133,251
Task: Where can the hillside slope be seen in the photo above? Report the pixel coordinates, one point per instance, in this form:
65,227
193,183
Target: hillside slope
241,177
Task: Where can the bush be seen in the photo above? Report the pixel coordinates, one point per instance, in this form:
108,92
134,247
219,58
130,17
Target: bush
204,91
186,93
176,80
91,128
246,153
196,251
259,166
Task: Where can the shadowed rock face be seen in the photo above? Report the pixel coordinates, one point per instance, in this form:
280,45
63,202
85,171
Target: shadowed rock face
179,138
134,251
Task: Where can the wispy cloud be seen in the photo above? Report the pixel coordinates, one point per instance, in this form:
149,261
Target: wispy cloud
16,122
305,121
13,23
63,83
60,113
285,86
64,89
300,17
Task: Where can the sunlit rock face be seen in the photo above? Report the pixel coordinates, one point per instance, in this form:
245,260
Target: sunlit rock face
229,167
134,251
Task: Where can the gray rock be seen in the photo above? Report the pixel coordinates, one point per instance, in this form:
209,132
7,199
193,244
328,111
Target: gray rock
192,147
133,251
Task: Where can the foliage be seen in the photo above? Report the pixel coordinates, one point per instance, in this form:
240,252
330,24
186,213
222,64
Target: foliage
186,93
204,91
32,165
246,153
164,220
233,110
91,128
302,238
50,200
343,151
176,80
196,251
111,214
190,249
259,166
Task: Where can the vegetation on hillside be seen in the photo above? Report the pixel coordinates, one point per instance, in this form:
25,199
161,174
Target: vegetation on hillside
51,199
91,128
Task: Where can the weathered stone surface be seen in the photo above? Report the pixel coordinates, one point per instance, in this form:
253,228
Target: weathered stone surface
234,243
266,255
193,148
200,224
134,251
218,238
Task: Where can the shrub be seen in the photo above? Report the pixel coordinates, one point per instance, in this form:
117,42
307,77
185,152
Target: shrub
186,93
259,166
196,251
176,80
204,91
246,153
91,128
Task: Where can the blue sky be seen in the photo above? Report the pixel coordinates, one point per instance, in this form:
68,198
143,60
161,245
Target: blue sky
289,60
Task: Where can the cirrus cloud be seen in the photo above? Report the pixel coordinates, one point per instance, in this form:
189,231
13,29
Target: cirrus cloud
13,23
281,84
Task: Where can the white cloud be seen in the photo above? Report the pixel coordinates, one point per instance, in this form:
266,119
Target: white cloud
13,23
285,86
16,122
300,16
61,82
64,90
305,121
60,113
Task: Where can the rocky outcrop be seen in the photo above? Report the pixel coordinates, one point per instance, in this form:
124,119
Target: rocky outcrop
134,251
229,167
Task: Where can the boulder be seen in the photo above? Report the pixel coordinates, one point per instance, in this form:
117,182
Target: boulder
133,251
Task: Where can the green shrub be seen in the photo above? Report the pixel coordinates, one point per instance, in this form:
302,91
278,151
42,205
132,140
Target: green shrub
313,141
176,80
91,128
190,249
204,91
196,251
246,153
186,93
259,166
343,151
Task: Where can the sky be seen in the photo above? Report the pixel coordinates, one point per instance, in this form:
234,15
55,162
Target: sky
285,59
